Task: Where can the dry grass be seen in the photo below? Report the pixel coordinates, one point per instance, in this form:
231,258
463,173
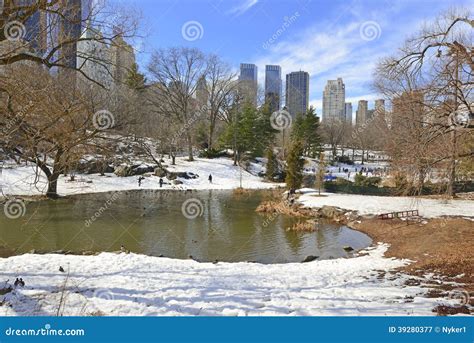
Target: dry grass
280,207
304,226
442,246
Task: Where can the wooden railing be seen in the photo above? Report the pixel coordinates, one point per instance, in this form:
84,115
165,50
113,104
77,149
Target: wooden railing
401,214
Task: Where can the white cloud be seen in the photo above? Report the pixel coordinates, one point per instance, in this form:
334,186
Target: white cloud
329,50
243,7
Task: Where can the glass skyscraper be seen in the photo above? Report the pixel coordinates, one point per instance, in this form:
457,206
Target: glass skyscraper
297,92
273,87
248,80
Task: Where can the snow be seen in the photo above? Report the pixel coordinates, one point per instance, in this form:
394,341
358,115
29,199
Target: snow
136,285
365,204
21,180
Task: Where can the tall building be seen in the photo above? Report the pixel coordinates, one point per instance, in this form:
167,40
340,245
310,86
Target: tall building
297,92
93,57
69,26
348,110
334,97
380,108
35,28
380,105
202,93
362,112
248,81
273,87
122,57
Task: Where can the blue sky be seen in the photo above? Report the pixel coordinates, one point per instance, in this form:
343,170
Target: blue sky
328,39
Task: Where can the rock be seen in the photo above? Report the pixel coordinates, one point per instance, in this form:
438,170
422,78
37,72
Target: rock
159,172
177,182
310,258
348,248
329,212
142,169
94,166
182,175
123,171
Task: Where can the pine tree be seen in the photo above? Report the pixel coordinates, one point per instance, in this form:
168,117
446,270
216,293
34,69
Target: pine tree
294,166
271,164
305,128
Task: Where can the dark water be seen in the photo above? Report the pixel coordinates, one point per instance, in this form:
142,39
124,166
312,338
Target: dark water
226,228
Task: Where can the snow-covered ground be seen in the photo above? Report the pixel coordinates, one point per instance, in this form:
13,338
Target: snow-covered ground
21,180
129,284
365,204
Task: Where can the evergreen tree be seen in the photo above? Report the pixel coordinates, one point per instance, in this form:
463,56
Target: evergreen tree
305,129
271,164
311,133
294,166
250,132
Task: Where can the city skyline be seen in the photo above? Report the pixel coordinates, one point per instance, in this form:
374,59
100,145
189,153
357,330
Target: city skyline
287,34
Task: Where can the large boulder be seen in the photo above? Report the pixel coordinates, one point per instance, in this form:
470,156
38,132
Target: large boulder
94,166
140,169
123,171
160,172
331,212
183,175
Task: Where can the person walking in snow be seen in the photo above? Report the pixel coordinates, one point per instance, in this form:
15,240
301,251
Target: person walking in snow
140,179
161,182
210,178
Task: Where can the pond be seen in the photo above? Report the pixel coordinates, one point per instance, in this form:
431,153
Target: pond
207,225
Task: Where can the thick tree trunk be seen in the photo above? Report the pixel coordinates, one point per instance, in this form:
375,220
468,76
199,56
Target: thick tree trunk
452,166
210,141
52,191
190,145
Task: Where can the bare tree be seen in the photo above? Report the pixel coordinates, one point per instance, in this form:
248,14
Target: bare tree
176,72
47,32
434,72
333,131
219,83
49,122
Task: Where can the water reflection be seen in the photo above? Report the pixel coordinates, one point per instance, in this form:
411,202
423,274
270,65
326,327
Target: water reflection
151,222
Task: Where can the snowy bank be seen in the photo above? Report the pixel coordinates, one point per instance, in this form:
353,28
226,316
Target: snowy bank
21,180
365,204
129,284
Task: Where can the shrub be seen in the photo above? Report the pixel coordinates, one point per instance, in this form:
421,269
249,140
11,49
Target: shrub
344,159
212,153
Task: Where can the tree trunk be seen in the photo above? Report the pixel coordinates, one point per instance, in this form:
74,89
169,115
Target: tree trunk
210,141
52,191
452,166
190,145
